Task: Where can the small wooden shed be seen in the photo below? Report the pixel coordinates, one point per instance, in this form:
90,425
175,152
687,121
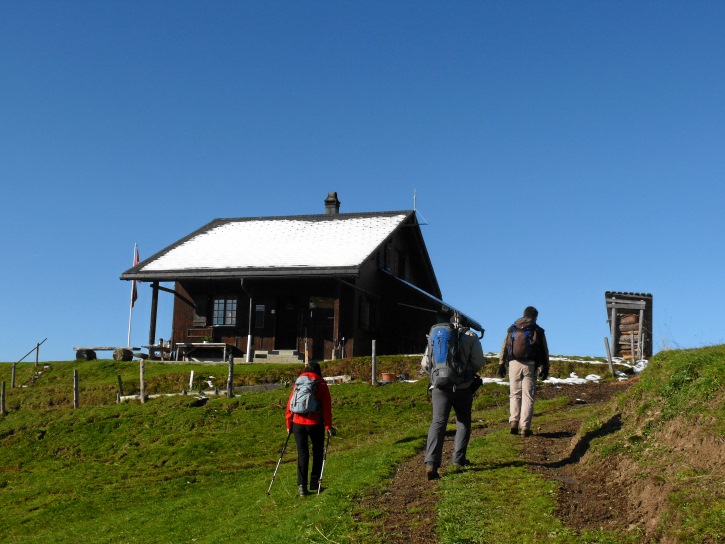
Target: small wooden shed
630,320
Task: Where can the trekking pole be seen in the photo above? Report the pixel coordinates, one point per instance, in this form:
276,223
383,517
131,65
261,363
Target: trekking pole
324,458
278,463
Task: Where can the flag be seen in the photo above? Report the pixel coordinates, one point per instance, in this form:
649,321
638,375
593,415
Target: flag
134,293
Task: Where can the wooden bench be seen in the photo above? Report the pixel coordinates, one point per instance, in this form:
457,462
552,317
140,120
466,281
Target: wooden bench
184,350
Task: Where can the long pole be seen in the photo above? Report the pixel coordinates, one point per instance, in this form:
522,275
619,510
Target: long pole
278,462
133,294
609,355
249,356
374,380
36,349
324,458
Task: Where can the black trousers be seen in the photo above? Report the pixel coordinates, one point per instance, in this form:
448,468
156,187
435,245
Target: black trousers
304,434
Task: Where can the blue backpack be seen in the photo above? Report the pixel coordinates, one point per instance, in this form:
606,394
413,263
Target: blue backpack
445,366
303,399
522,344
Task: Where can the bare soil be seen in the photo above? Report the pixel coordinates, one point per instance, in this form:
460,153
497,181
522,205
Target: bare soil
405,512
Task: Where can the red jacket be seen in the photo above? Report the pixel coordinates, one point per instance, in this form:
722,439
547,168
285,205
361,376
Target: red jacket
322,394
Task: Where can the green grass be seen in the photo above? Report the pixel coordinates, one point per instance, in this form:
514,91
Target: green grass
171,470
673,427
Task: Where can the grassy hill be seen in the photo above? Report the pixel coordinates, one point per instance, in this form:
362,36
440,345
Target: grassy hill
177,469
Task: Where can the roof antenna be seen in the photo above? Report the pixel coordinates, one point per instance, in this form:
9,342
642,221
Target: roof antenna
415,208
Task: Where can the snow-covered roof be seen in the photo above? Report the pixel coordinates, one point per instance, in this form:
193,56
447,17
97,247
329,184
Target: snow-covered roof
301,243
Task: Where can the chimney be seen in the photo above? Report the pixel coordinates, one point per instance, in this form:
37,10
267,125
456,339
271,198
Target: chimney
332,205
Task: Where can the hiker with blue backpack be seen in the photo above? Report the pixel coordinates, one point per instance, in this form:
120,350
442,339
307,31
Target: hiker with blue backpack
527,355
308,416
452,359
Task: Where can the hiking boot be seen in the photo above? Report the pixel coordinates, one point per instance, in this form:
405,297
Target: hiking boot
514,428
432,471
526,433
314,485
461,464
303,491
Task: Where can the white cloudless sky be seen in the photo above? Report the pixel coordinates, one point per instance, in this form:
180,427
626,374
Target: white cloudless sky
558,150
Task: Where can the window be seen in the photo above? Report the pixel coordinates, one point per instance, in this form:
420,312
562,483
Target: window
402,265
367,314
389,258
225,311
259,316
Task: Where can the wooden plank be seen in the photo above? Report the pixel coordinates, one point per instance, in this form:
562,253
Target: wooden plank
639,338
609,355
627,305
106,348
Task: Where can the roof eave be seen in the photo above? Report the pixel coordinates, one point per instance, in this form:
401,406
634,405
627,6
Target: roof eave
199,273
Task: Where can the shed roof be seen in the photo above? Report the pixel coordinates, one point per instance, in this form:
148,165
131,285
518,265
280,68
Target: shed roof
297,245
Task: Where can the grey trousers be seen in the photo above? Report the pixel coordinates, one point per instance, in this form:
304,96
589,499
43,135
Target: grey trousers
461,401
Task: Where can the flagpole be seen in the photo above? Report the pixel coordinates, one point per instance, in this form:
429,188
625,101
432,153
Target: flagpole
130,316
133,295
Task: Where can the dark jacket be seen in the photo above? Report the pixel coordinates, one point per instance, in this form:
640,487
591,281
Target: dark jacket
322,394
541,351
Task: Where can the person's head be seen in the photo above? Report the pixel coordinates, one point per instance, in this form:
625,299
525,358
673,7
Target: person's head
313,367
531,312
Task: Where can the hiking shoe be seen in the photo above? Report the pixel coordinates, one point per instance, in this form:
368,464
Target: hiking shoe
526,432
432,471
514,429
461,464
303,491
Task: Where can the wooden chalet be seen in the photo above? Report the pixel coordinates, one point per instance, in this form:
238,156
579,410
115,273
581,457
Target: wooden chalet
326,285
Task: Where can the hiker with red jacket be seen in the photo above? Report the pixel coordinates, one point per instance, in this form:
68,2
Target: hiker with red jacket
308,415
527,355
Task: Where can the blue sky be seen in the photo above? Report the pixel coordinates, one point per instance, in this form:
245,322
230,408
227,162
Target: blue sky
558,150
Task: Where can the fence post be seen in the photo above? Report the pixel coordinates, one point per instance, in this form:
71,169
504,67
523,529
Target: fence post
631,349
120,385
75,388
37,353
230,379
609,355
12,376
374,377
141,379
2,399
191,381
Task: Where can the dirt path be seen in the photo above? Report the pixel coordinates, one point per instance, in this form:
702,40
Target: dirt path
406,511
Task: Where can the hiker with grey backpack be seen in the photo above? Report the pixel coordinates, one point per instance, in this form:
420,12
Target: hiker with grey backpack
309,418
526,353
452,359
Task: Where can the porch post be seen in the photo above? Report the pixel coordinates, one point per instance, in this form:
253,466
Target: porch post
336,327
154,309
249,356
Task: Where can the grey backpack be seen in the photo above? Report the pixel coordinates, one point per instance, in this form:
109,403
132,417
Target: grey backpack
303,399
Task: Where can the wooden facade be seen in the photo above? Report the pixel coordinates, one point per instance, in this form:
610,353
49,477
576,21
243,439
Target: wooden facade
630,320
391,296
